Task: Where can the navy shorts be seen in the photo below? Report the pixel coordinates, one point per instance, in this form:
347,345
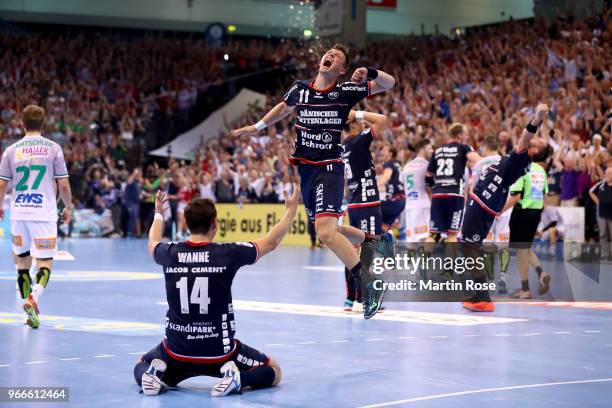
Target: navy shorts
177,370
523,226
446,214
392,209
477,223
322,189
367,219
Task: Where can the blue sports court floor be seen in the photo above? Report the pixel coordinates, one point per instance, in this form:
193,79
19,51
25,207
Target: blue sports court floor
105,308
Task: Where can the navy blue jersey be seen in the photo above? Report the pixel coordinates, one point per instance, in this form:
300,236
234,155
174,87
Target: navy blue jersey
447,165
359,169
491,190
200,317
394,187
321,116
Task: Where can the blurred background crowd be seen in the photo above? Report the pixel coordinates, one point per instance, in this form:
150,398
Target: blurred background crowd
129,93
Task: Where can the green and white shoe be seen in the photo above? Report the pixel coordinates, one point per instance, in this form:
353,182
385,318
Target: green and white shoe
31,309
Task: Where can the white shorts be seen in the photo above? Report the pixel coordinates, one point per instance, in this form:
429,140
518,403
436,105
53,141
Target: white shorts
181,207
38,237
417,223
500,230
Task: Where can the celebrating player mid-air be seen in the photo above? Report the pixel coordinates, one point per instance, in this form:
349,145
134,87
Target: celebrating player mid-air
34,165
322,106
489,195
200,325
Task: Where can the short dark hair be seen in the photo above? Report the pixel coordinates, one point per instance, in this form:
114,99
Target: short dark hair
492,142
199,215
421,144
456,129
344,49
33,118
543,154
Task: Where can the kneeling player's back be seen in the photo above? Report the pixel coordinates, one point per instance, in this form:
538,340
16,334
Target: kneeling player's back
200,317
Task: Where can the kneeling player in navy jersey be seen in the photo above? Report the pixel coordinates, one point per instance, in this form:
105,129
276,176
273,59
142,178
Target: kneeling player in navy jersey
363,201
489,196
200,323
322,106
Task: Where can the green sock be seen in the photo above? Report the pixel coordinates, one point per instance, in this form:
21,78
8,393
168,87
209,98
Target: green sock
25,282
42,277
504,259
489,265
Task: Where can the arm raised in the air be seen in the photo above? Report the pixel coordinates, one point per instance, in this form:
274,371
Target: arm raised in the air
278,232
380,81
530,131
277,113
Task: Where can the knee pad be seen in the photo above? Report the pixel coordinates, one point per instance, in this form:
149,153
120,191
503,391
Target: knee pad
24,255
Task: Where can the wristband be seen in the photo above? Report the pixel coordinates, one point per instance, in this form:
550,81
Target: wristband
372,73
531,128
359,116
158,216
260,125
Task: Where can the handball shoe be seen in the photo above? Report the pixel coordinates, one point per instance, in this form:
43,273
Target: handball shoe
373,300
31,309
544,283
479,306
348,306
230,381
151,379
386,245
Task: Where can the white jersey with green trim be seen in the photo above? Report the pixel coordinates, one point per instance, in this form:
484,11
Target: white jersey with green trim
413,176
33,164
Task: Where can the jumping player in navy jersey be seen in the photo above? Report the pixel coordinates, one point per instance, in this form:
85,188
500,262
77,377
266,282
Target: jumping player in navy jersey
322,106
389,182
200,323
489,195
444,176
364,200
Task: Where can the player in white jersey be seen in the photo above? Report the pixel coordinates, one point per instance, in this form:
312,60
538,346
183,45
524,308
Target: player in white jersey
499,234
34,165
418,201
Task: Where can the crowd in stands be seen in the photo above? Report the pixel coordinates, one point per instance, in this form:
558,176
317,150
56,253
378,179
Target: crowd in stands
490,80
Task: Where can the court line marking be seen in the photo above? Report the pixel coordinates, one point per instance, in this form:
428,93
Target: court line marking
592,331
314,342
438,337
563,332
404,316
483,390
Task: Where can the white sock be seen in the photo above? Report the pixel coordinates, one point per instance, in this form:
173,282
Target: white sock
502,276
37,291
